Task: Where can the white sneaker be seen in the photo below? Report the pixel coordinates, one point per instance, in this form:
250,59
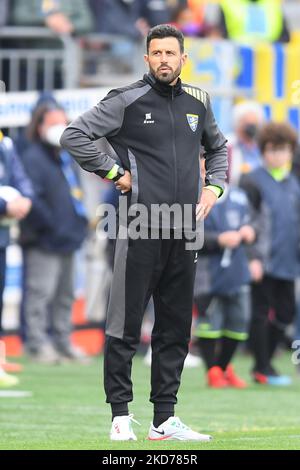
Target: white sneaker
174,429
192,361
121,428
7,380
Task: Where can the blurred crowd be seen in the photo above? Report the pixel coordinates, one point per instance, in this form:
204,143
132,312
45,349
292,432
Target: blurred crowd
133,18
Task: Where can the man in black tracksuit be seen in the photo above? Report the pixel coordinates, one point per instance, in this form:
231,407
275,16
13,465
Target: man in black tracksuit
155,128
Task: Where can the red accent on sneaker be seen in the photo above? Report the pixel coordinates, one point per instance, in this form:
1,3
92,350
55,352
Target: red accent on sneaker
233,379
260,378
215,378
12,367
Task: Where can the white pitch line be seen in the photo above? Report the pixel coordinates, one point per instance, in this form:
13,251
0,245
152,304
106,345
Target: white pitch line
14,394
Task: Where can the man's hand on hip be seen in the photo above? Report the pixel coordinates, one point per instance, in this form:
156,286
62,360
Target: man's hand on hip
124,183
207,201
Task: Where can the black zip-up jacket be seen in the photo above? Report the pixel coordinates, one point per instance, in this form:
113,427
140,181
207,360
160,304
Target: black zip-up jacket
156,132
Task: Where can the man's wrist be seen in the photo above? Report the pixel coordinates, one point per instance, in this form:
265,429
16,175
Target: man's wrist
112,173
215,189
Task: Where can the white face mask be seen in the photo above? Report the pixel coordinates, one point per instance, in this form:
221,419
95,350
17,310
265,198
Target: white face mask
53,134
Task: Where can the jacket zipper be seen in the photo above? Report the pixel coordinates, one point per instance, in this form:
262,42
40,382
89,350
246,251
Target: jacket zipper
173,143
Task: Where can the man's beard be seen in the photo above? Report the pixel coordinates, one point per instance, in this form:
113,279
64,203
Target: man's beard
166,77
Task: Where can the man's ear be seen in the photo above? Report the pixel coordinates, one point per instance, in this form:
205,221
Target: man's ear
184,58
146,58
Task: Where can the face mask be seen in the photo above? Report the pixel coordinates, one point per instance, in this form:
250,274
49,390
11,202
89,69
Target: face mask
250,130
53,134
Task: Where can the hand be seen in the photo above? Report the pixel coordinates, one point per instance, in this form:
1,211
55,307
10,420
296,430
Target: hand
124,183
248,234
59,23
230,239
256,270
204,206
18,208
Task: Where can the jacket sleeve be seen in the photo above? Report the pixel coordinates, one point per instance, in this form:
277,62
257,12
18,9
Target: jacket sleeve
211,244
103,120
19,178
214,143
261,221
211,235
40,216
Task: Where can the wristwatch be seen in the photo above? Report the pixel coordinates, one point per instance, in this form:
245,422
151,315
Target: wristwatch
120,173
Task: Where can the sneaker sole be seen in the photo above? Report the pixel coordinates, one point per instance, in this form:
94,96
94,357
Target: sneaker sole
171,438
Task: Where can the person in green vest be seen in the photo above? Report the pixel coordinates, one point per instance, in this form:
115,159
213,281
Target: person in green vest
253,20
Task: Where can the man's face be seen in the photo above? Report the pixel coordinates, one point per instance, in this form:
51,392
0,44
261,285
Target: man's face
165,59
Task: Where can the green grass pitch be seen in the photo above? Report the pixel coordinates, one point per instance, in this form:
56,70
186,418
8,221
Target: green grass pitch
67,411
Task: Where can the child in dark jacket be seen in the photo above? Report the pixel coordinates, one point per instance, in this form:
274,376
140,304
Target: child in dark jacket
273,189
222,286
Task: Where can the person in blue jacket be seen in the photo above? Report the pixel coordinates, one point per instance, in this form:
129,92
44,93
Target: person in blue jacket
50,236
15,203
274,189
221,289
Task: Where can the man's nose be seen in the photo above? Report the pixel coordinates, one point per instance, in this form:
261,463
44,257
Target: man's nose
163,58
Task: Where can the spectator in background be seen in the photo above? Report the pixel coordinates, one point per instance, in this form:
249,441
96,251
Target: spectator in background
252,20
15,203
184,20
50,235
222,286
63,17
21,142
119,17
243,151
296,171
155,11
129,18
272,187
190,18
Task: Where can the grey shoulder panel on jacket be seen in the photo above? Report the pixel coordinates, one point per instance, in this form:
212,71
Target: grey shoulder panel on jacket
130,93
197,93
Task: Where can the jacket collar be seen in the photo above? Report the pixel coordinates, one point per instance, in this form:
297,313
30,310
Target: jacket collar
162,88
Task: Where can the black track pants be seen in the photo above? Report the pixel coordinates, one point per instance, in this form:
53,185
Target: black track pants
166,270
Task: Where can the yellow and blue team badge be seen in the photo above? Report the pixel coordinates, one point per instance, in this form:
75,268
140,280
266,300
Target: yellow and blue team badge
193,121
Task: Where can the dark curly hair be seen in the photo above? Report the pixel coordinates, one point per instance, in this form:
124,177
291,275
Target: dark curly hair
277,134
